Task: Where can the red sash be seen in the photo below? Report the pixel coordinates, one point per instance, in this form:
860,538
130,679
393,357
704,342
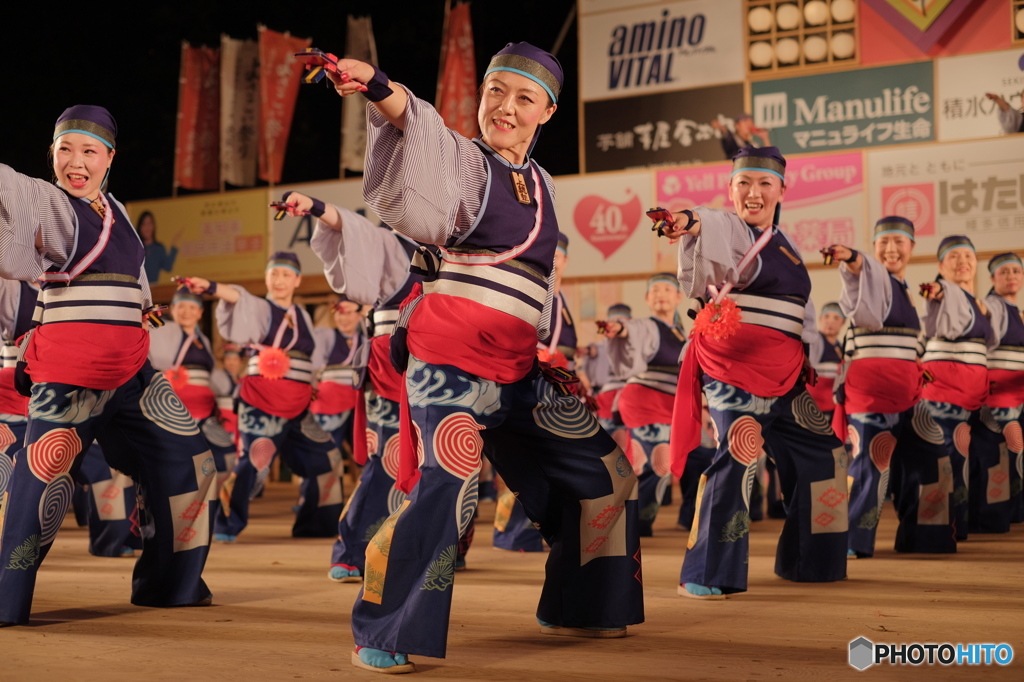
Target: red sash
605,401
97,356
1007,388
387,383
11,402
199,400
956,383
490,344
881,385
641,405
279,397
821,391
332,398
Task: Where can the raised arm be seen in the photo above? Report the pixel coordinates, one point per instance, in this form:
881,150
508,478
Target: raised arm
37,225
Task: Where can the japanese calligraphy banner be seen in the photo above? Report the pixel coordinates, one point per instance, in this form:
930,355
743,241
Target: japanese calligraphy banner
198,139
280,75
217,236
848,109
964,111
823,205
975,189
605,220
456,93
239,94
293,234
656,130
658,47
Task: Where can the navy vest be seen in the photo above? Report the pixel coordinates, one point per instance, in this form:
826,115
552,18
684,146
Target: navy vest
196,355
670,346
124,252
26,309
341,348
305,343
780,276
1014,335
902,313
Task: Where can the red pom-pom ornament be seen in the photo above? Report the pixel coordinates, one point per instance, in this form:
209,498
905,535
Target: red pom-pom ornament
556,359
718,320
178,377
272,363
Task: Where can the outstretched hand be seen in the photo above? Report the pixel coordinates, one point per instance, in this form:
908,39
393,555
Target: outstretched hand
350,76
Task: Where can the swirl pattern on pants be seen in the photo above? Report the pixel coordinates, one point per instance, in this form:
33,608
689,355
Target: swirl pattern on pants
53,506
457,445
745,440
53,454
162,406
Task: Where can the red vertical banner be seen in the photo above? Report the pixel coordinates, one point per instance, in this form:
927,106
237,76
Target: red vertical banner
456,94
280,75
197,148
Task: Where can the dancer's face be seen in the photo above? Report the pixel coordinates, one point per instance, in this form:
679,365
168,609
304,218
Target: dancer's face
830,323
282,282
1007,279
511,108
662,298
80,162
959,266
187,313
347,316
754,195
894,251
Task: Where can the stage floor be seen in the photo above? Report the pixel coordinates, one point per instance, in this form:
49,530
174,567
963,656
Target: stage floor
276,616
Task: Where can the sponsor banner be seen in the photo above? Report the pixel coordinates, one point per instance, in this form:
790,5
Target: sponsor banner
667,128
963,110
293,233
222,237
198,139
605,220
280,76
975,189
658,47
848,109
823,204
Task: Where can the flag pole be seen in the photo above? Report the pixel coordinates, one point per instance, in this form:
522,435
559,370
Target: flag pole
564,31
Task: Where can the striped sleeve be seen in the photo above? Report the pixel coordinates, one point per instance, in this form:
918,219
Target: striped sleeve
28,207
426,181
712,257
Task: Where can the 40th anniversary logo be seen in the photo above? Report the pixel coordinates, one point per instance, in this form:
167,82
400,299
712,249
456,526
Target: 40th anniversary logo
864,653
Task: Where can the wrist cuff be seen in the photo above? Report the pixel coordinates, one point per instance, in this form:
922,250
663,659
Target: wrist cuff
318,209
853,256
377,88
212,289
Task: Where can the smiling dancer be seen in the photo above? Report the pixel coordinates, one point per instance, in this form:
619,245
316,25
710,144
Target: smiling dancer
273,402
895,442
959,338
472,377
90,378
755,393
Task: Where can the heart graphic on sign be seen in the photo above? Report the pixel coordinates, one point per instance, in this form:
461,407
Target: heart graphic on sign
605,224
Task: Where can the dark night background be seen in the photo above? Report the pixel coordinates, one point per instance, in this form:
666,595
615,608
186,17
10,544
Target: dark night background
127,58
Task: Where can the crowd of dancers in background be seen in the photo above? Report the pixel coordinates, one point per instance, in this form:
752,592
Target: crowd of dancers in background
452,363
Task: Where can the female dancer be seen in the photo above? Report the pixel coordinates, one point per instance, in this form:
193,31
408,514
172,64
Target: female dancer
471,373
90,378
273,402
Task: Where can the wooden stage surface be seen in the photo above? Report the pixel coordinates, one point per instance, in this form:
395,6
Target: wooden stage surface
276,616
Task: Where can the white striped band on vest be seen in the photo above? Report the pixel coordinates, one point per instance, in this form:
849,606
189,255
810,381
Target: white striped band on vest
510,287
782,315
226,402
827,370
299,367
894,343
8,356
966,352
613,385
106,299
1001,357
198,375
384,321
660,378
342,375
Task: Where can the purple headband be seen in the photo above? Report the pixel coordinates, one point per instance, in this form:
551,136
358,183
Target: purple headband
90,120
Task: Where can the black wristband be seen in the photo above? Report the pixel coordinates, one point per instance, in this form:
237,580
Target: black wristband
853,256
377,87
212,289
317,209
690,218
